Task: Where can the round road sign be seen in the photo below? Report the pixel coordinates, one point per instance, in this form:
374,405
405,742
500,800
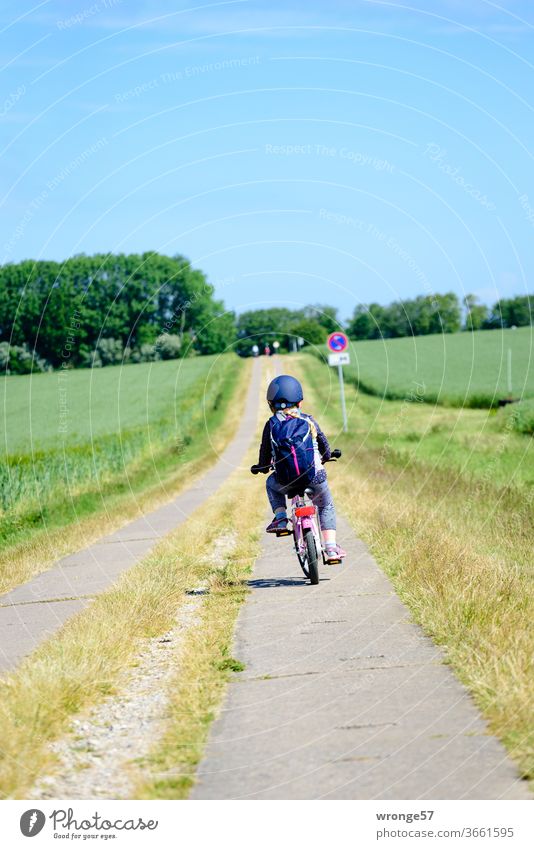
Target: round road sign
338,342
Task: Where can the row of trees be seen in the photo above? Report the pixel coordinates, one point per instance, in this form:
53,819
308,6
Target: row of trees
105,309
438,314
509,312
415,317
101,309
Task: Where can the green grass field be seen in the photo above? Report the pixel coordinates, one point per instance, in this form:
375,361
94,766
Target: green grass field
71,438
78,405
460,369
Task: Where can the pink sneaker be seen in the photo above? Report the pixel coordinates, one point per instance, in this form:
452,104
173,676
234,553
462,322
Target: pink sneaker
334,554
277,526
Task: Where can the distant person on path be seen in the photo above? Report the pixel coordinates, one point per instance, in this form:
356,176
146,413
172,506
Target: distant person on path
285,396
267,351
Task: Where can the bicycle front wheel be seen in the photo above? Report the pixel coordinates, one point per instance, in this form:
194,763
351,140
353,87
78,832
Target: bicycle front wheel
312,564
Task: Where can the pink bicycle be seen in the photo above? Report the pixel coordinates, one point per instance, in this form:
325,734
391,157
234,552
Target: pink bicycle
305,529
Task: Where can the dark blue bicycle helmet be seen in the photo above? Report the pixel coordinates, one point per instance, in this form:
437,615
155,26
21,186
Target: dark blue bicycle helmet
284,391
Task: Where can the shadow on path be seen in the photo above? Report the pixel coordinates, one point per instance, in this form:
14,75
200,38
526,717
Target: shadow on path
267,583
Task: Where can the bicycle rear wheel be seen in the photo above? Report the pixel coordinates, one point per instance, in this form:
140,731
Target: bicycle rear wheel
312,560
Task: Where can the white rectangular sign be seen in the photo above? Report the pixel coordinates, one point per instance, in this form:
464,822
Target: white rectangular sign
339,359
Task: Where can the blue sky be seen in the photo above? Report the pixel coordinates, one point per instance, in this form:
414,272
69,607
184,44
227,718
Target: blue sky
337,152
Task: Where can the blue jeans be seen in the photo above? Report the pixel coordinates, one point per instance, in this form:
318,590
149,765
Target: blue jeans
321,497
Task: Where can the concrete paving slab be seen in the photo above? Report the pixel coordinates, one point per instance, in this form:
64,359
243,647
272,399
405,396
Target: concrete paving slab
344,697
26,617
17,639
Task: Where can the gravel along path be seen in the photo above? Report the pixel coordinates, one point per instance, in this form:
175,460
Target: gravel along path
95,757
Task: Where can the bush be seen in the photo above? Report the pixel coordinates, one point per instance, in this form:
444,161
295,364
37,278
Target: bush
110,351
4,355
89,358
520,417
146,353
477,401
169,346
18,359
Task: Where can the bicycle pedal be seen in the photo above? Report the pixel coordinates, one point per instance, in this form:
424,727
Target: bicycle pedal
333,562
283,533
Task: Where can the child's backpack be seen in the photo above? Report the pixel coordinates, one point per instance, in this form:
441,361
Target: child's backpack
293,454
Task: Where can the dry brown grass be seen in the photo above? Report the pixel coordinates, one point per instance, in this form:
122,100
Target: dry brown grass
206,663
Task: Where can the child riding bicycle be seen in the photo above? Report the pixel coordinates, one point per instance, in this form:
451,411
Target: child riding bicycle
294,444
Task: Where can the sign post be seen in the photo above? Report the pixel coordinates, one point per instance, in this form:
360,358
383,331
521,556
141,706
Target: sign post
339,356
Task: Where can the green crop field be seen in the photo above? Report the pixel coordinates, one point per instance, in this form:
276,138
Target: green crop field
71,437
77,405
460,370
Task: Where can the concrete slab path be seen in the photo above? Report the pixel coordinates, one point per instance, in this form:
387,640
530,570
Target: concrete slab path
37,609
343,697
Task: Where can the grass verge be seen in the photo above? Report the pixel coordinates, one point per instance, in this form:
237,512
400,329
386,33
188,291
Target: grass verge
206,665
458,548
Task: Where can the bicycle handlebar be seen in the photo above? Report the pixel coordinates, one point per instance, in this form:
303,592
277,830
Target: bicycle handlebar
261,470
